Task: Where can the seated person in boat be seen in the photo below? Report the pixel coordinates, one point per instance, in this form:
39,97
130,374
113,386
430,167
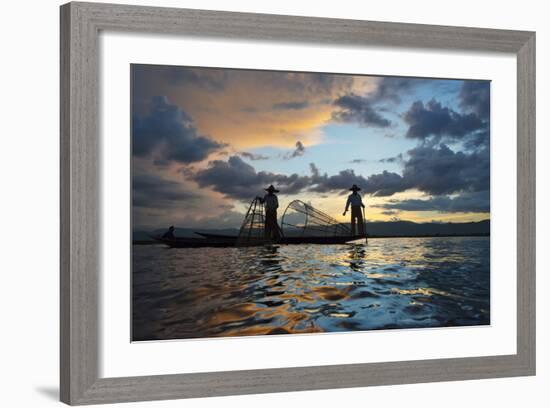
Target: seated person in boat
354,199
169,234
271,203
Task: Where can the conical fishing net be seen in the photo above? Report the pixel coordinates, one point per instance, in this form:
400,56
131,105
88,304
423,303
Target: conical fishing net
252,230
302,220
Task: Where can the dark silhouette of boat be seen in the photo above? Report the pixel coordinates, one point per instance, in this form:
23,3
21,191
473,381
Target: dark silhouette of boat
206,242
224,241
301,224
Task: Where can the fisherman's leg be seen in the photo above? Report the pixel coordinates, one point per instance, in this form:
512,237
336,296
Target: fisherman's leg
352,223
276,229
356,214
276,232
360,222
270,227
267,226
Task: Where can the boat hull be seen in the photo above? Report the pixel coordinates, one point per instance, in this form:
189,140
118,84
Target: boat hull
223,241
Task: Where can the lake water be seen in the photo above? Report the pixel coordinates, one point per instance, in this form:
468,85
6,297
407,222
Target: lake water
391,283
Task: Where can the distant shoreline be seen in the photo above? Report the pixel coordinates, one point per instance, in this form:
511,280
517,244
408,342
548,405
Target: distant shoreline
430,236
152,242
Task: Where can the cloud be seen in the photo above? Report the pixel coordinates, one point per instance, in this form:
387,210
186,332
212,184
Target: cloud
247,108
475,97
152,191
167,134
433,119
253,156
383,184
314,170
209,79
213,80
386,184
432,170
339,182
239,180
440,170
390,212
393,159
298,152
358,161
291,105
365,110
358,109
466,202
390,89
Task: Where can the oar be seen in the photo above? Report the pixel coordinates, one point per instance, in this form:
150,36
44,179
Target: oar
365,227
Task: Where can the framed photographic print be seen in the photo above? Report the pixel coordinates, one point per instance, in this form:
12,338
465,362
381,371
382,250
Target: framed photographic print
247,192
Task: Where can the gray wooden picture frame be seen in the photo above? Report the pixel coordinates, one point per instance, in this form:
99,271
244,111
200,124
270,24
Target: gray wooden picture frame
81,24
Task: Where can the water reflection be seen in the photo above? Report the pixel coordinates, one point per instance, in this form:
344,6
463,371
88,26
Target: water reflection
356,256
391,283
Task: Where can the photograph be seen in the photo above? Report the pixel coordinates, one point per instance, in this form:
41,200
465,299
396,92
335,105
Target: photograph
271,202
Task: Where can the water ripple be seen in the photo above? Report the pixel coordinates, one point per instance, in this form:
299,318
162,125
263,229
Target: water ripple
390,283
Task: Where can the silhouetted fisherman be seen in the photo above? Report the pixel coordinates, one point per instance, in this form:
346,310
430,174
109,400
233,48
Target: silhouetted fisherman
354,199
169,234
271,203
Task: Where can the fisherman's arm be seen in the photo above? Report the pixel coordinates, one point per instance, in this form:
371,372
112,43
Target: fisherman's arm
347,206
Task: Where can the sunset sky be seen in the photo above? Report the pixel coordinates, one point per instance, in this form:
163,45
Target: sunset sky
206,141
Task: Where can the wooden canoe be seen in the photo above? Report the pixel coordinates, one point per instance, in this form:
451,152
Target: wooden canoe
221,241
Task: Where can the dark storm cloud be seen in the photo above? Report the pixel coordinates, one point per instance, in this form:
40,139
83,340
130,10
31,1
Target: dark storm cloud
475,97
358,109
318,83
465,202
429,122
168,134
432,170
340,182
390,89
210,79
440,170
365,110
433,119
239,180
253,156
151,191
297,152
383,184
478,140
386,184
291,105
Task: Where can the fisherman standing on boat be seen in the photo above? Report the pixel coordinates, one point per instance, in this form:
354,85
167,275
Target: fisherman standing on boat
271,203
354,199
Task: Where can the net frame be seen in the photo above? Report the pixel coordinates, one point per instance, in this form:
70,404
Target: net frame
252,231
316,222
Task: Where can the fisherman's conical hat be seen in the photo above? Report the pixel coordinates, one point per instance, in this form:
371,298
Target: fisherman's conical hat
272,189
355,188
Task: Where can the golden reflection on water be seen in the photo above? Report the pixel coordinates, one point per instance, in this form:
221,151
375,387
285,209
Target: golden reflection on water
420,291
389,283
